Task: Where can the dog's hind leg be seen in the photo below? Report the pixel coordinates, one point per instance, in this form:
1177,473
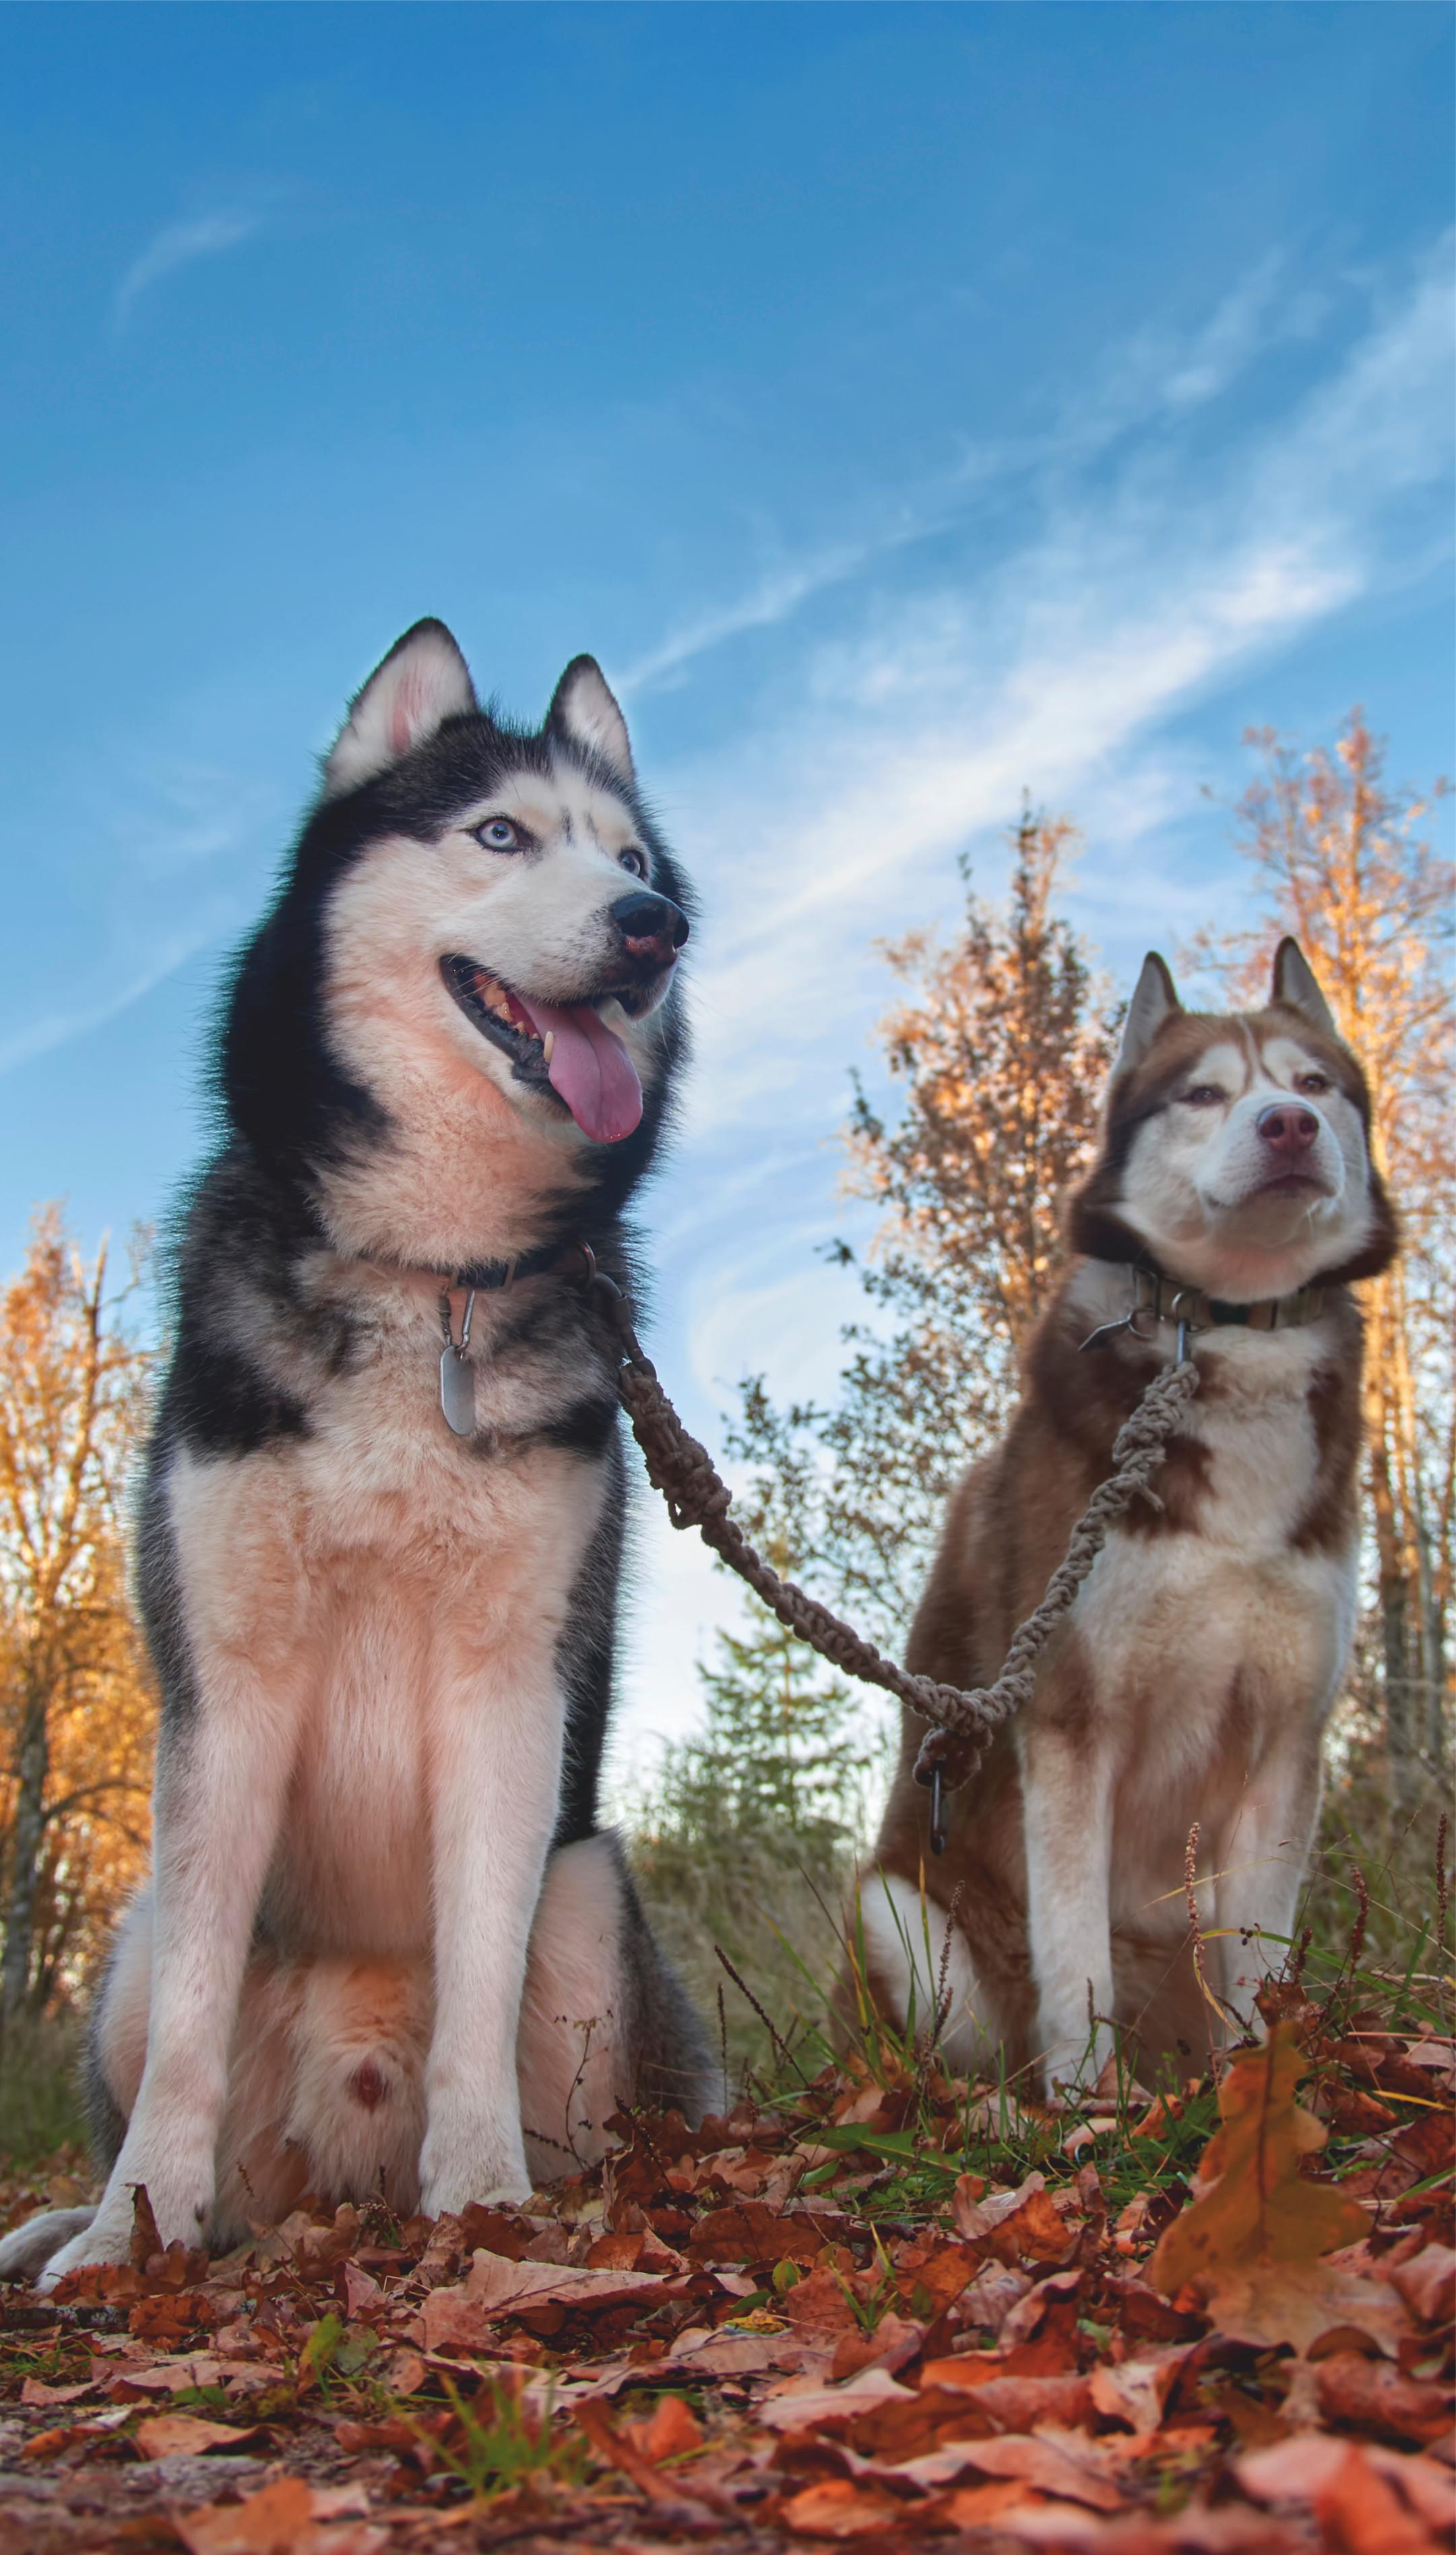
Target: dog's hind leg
116,2049
29,2247
919,1971
605,2019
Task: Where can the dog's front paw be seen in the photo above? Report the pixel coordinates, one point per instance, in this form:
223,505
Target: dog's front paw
103,2241
181,2209
458,2166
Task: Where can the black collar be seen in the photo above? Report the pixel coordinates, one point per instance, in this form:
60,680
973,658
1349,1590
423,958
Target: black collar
491,1277
1172,1300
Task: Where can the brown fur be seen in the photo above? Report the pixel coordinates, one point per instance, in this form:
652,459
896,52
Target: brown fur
1235,1746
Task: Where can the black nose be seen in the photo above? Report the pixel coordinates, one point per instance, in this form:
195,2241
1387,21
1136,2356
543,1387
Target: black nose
653,929
1287,1129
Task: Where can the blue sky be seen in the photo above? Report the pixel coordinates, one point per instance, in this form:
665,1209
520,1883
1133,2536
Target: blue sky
907,405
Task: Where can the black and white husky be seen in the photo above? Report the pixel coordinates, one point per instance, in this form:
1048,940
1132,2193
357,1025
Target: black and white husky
385,1943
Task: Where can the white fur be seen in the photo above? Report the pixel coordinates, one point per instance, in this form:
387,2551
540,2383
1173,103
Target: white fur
307,2028
919,1956
1172,1626
372,1615
439,1193
1195,1187
573,2062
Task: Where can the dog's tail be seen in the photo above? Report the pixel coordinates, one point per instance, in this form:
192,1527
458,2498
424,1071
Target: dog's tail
29,2247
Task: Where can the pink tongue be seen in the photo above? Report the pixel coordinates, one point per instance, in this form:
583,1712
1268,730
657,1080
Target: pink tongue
590,1069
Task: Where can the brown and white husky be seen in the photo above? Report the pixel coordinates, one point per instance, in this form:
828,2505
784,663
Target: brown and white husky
1191,1682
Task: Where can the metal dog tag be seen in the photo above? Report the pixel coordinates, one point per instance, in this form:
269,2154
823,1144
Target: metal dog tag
457,1374
457,1392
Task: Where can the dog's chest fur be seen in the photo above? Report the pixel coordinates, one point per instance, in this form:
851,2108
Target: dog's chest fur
391,1576
1213,1625
1196,1642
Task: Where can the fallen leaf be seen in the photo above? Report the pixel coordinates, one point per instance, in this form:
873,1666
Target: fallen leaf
622,2451
1360,2514
1136,2391
819,2308
459,2319
276,2522
1011,2403
1374,2397
1297,2470
840,2507
1250,2241
893,2345
126,2385
671,2430
36,2391
176,2435
1427,2283
1303,2303
1014,2225
1049,2466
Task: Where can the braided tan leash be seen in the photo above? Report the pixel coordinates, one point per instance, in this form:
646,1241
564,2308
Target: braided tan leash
964,1720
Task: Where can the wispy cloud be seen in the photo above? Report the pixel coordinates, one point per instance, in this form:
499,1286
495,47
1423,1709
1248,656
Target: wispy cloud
1139,583
1151,379
58,1028
181,244
191,841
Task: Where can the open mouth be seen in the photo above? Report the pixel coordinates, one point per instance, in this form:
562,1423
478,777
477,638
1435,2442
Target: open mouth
564,1048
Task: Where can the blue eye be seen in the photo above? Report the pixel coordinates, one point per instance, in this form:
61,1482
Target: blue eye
634,861
498,834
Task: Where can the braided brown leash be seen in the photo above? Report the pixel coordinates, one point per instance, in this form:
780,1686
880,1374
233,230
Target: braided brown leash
964,1720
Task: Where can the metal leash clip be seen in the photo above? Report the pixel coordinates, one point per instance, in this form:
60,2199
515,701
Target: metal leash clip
1186,1325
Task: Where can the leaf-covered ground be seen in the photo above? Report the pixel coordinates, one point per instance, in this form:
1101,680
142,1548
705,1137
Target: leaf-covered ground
885,2307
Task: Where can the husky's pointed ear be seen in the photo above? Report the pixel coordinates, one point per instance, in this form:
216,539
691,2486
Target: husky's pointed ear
1154,1000
423,681
584,711
1295,983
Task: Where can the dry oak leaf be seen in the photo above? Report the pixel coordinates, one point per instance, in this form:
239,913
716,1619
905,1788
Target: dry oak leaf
1301,2469
1250,2241
35,2391
178,2435
841,2508
671,2430
1015,2226
126,2384
893,2345
819,2308
1058,2464
459,2319
279,2520
1359,2514
1137,2391
1427,2283
1374,2397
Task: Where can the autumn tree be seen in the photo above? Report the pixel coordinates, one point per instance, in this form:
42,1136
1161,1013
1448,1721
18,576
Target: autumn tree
75,1713
999,1048
1342,861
